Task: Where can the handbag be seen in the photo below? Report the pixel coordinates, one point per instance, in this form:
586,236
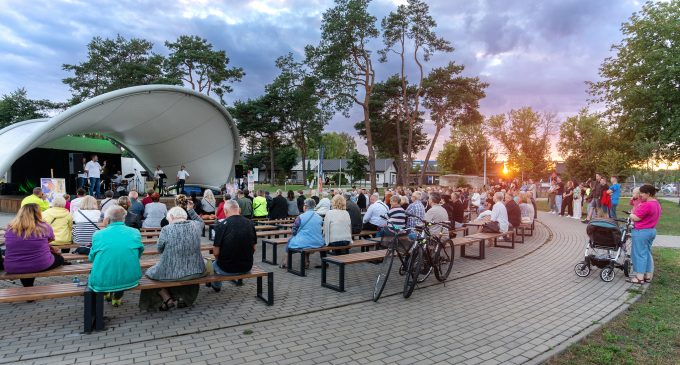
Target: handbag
491,227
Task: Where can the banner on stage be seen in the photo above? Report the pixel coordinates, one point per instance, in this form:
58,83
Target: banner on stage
52,187
251,179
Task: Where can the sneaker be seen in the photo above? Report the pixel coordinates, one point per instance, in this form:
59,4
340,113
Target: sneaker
117,302
107,297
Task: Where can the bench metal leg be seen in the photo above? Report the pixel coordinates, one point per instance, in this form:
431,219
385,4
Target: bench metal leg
480,256
274,252
270,289
512,241
341,276
300,272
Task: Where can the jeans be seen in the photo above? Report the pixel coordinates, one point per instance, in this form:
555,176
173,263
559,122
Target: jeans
80,183
642,249
339,243
612,211
218,271
180,186
94,186
558,203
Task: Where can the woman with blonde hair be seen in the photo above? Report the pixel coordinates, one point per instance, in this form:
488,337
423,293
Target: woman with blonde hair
27,244
61,221
131,219
337,225
85,221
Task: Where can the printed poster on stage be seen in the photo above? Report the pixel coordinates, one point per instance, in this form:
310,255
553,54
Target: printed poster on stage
52,187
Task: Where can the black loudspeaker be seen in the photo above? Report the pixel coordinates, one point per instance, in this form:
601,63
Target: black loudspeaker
75,162
9,189
238,171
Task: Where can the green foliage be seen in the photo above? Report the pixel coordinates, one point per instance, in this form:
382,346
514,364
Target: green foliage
525,136
456,158
17,107
474,136
463,162
639,84
193,60
356,166
385,114
447,157
587,146
461,182
336,145
286,158
115,64
342,177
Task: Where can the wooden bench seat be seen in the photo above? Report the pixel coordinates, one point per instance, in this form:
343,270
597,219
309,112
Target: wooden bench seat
146,241
273,222
274,243
148,250
343,260
66,270
275,234
488,237
522,229
364,245
469,240
265,227
364,234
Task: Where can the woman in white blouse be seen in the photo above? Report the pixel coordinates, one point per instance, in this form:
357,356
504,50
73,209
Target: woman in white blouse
337,225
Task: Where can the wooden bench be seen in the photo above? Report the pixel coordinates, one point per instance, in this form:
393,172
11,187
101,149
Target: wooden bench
273,222
274,243
266,228
495,236
343,260
522,229
93,313
148,250
94,302
275,234
150,229
469,240
67,270
364,234
364,245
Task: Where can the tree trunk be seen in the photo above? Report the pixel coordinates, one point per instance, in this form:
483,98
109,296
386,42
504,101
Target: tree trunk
272,173
401,174
303,155
414,116
369,144
429,153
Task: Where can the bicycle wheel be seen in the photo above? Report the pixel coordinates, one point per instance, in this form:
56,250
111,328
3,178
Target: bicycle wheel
413,270
426,266
383,274
443,260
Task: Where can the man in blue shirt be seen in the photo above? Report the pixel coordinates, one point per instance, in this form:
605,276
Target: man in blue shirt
615,192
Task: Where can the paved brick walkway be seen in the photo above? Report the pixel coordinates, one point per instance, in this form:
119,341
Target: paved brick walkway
510,308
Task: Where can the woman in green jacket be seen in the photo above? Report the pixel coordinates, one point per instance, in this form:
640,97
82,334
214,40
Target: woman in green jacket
115,257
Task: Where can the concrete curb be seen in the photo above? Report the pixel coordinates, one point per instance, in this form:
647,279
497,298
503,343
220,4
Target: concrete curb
541,358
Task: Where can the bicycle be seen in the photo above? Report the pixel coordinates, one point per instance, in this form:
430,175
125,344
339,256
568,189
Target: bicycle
428,254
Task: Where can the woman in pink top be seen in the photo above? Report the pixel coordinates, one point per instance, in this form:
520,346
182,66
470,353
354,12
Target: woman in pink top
645,216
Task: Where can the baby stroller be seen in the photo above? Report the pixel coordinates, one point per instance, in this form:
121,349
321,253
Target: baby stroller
607,248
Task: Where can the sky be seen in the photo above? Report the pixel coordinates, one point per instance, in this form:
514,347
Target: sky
532,53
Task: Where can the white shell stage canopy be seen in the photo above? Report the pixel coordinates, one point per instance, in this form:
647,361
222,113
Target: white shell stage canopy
159,124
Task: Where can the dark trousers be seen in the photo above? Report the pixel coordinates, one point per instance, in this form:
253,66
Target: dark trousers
568,204
160,186
180,186
58,261
533,202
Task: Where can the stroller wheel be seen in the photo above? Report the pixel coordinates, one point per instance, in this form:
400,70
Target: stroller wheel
607,274
582,269
626,268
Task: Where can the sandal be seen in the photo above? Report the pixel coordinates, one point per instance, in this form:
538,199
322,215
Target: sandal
181,303
167,305
635,280
283,266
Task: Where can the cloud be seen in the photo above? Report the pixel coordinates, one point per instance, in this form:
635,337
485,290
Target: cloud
531,53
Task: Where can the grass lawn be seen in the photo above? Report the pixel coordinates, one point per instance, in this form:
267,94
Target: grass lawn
648,333
668,224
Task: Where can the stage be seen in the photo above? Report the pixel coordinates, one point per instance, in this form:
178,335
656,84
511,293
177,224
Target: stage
11,203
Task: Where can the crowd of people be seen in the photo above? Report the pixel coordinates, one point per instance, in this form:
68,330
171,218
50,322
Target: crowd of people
110,229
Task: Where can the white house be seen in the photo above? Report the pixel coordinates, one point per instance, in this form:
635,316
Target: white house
386,171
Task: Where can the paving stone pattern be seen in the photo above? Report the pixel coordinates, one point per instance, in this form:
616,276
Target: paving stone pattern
507,309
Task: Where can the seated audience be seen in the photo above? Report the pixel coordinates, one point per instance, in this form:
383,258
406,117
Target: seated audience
27,244
131,219
179,245
526,207
234,245
354,213
208,203
373,219
324,204
85,221
38,197
499,213
513,210
147,199
260,205
135,206
67,199
293,210
337,224
75,203
108,201
396,215
154,212
415,209
306,230
187,205
279,207
115,255
61,221
300,201
458,210
437,214
197,203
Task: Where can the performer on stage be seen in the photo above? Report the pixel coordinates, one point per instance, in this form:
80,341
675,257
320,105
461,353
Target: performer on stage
82,174
159,180
94,170
182,175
